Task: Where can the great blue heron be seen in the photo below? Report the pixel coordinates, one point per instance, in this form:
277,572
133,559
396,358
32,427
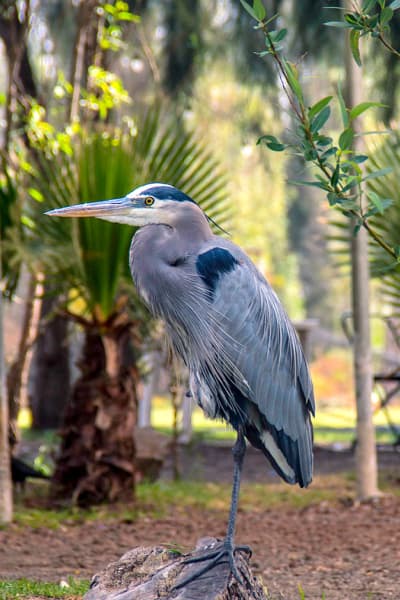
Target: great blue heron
245,362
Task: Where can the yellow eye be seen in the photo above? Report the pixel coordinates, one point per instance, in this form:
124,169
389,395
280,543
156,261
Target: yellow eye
149,201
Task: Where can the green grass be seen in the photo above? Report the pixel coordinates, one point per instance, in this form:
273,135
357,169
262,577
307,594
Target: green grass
330,425
25,588
156,500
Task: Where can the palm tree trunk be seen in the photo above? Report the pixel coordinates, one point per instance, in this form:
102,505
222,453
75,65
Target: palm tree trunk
96,461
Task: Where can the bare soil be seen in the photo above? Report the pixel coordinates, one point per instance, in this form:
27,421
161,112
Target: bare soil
342,550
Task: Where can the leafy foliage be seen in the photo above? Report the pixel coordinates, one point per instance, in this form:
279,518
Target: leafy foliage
89,256
10,213
369,18
337,164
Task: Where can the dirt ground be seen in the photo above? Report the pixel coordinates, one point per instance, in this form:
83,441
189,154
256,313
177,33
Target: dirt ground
342,550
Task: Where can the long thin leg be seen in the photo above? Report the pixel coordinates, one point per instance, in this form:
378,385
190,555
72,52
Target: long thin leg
238,451
228,549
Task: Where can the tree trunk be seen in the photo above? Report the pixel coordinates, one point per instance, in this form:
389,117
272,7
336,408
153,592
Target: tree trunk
50,367
366,460
96,461
148,573
6,506
15,372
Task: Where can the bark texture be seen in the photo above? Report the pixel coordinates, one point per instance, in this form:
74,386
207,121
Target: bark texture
96,460
151,573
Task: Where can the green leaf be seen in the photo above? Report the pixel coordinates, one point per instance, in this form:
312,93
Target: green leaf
367,5
328,153
381,204
343,109
386,16
317,184
323,140
395,4
318,106
362,107
360,158
259,9
280,35
354,21
333,198
335,175
272,143
346,138
340,24
249,9
319,121
355,45
293,79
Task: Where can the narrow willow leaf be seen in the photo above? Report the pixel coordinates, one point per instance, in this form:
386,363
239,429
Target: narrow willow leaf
259,9
333,198
368,5
318,184
319,121
340,24
343,109
346,138
362,107
354,21
292,76
360,158
249,9
280,35
318,106
381,204
355,45
386,16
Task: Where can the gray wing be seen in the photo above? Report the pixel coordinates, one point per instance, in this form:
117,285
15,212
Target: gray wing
263,361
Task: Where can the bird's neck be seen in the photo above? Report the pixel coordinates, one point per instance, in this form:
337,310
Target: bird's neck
190,225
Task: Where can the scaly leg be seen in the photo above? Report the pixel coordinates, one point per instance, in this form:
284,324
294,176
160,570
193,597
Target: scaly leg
228,549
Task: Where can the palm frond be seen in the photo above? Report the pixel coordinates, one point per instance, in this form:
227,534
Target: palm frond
90,255
387,154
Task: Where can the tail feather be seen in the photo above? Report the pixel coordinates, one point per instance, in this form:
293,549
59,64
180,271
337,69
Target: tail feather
291,459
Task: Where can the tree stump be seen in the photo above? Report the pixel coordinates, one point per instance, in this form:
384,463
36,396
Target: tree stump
151,573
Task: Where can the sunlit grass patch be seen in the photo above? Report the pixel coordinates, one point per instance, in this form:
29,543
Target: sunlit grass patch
332,424
71,589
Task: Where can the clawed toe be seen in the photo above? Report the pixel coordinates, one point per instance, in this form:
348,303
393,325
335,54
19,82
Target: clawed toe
226,553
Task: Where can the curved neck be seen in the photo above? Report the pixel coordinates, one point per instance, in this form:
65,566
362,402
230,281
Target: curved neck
190,224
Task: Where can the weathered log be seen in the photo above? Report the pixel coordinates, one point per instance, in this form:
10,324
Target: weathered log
151,573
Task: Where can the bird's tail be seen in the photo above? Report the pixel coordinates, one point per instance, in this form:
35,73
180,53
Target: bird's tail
291,459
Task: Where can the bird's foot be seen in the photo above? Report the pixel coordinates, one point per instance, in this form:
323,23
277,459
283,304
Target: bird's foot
224,552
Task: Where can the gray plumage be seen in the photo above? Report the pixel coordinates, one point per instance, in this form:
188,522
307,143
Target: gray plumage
245,362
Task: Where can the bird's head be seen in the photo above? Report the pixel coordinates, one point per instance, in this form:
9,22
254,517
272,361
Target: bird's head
153,203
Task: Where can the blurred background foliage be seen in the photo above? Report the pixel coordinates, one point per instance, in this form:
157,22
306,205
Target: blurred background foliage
98,97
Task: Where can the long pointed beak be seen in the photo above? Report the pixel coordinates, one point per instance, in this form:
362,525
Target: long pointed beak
103,209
